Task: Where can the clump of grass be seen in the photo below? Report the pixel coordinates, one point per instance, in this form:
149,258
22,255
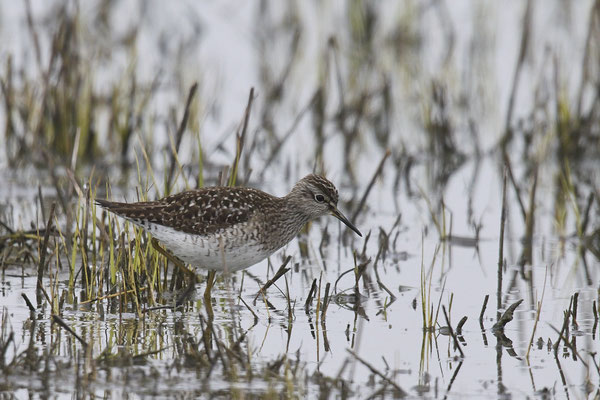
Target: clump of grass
425,290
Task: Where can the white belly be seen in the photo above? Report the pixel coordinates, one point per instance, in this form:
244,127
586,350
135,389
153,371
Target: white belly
228,250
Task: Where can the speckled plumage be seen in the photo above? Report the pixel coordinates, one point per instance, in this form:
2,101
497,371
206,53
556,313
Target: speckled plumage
228,229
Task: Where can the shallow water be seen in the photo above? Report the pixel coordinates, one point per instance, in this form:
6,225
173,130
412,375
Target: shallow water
469,49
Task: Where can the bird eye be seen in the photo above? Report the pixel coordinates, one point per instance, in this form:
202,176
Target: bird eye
319,198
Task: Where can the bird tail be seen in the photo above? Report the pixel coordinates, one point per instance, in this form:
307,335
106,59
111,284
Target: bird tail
131,211
112,206
106,204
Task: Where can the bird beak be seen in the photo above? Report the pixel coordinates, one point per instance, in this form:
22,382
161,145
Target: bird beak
338,214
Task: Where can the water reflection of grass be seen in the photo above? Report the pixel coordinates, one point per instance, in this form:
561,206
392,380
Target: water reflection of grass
91,135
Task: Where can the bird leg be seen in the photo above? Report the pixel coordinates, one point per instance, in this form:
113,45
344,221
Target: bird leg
186,294
193,278
210,281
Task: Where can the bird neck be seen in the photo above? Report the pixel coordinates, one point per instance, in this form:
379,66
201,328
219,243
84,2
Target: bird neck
294,213
285,223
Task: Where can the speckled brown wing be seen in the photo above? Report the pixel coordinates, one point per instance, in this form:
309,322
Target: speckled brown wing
200,212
